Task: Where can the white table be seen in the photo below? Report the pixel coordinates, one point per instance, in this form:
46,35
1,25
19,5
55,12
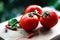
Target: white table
20,35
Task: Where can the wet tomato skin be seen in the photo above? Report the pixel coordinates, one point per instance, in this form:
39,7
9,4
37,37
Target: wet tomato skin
29,23
50,21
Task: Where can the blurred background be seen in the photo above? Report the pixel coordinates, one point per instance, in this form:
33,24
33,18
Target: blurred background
13,8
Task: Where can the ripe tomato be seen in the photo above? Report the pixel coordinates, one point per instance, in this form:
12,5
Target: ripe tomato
49,20
32,8
29,22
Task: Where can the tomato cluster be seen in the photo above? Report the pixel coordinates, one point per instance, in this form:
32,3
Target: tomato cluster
34,14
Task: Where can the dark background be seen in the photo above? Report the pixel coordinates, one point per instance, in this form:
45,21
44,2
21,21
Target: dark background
14,8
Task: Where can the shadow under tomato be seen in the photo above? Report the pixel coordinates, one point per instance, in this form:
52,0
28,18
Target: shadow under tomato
45,31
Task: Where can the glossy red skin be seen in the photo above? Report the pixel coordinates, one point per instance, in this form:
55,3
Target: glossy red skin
50,21
29,23
32,8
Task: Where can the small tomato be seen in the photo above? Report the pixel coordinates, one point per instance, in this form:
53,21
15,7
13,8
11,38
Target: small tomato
49,19
29,21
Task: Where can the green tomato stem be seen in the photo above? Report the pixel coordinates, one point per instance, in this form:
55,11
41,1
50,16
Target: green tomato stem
45,14
31,15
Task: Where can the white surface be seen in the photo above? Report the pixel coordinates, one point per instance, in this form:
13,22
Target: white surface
20,34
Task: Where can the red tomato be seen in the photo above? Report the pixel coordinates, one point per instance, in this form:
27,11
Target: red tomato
32,8
50,20
29,22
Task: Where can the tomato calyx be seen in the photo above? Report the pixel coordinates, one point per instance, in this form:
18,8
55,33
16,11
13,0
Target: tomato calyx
31,14
45,14
36,13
